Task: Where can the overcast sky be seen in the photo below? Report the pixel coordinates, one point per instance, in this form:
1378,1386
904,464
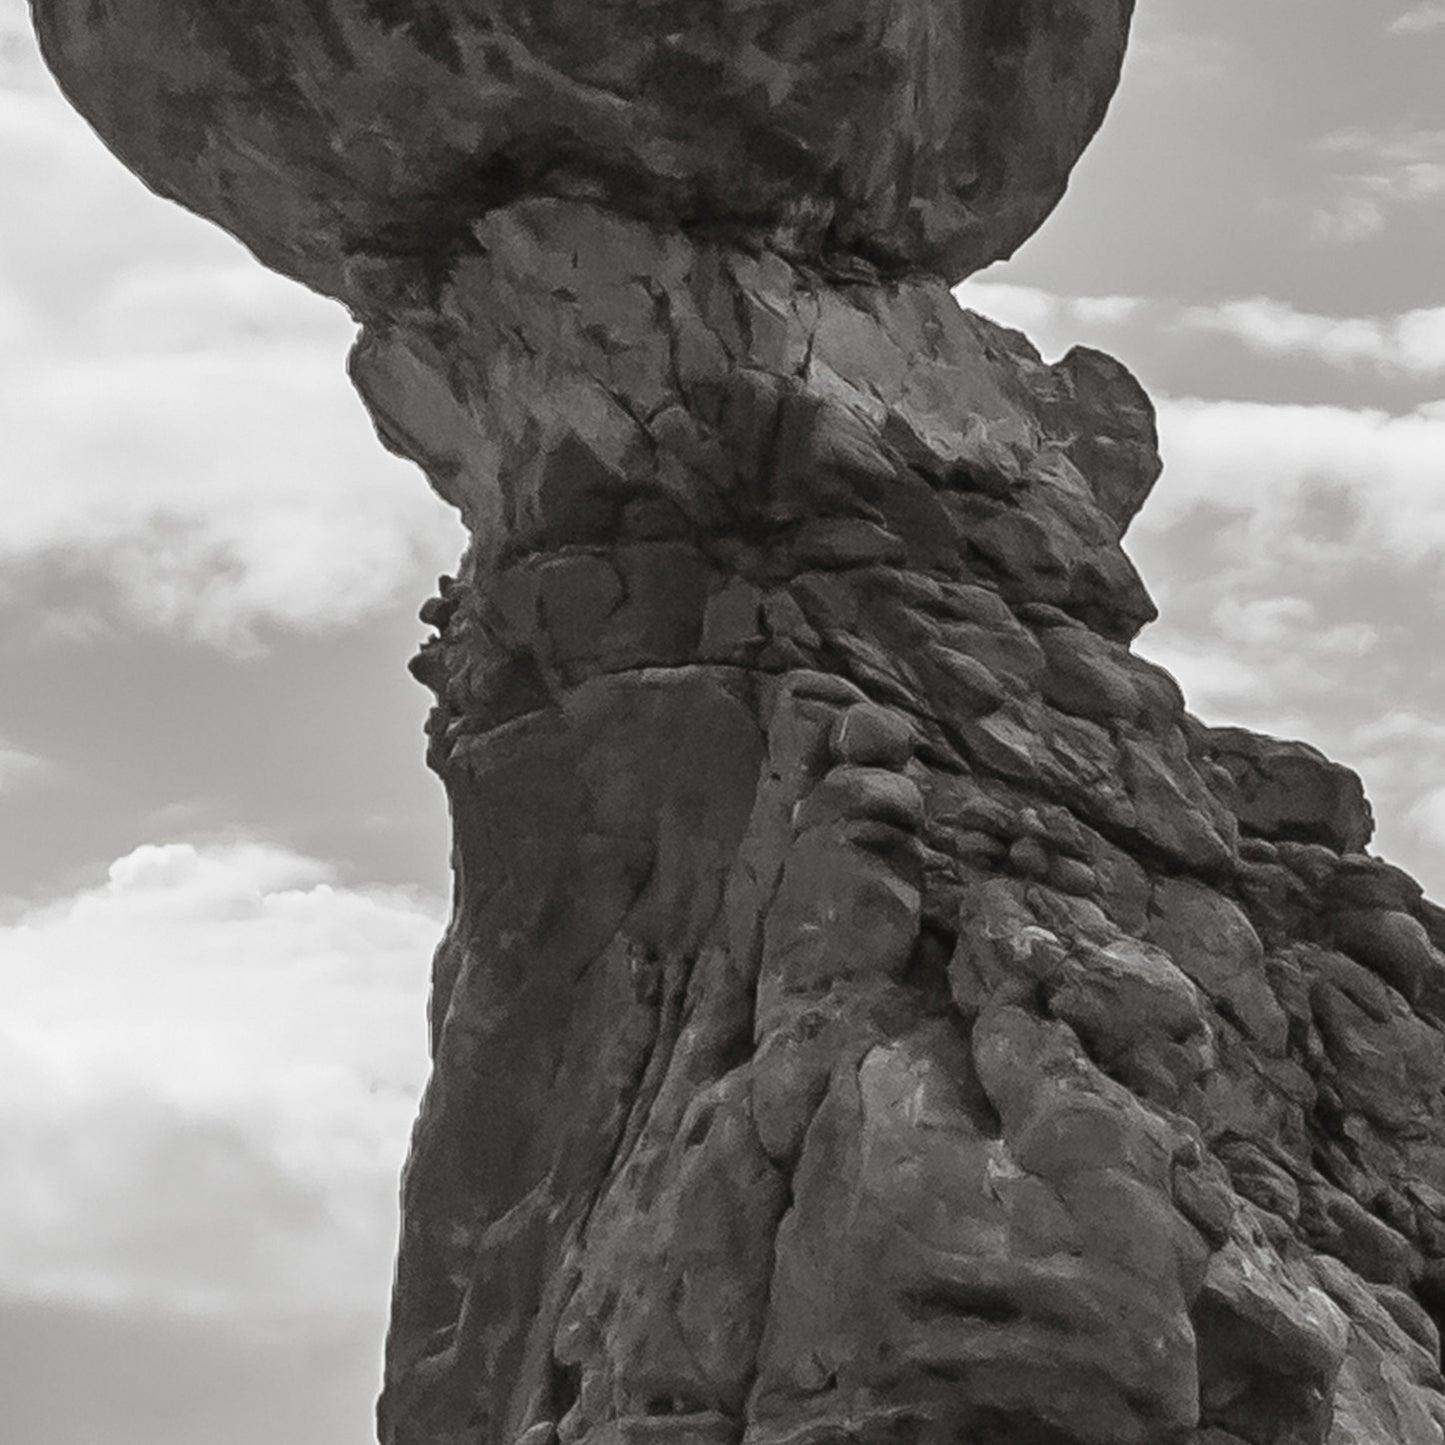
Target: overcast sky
222,863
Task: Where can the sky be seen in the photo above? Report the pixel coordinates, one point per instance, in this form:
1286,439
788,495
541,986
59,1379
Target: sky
222,862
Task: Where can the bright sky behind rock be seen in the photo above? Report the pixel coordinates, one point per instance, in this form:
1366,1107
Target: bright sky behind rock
222,863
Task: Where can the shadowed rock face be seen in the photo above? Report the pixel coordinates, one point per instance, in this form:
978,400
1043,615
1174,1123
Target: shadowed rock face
873,1010
335,137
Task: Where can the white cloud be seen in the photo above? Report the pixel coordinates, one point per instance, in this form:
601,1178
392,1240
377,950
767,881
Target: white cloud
1391,729
1285,628
1105,310
1413,342
1026,308
212,491
1355,216
1300,558
1377,174
1310,479
1420,339
179,447
1428,815
18,767
1429,16
1409,344
1053,323
1221,684
208,1067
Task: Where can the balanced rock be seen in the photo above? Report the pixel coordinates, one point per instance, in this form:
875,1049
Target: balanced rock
874,1009
345,138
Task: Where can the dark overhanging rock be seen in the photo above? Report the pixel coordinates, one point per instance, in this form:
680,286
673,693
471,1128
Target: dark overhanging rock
357,136
874,1009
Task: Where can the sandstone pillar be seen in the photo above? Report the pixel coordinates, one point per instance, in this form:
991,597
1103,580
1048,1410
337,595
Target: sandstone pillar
873,1009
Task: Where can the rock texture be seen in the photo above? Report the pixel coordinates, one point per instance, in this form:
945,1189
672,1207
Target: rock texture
874,1010
338,138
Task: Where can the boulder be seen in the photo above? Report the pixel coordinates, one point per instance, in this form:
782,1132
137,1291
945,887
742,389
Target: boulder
353,143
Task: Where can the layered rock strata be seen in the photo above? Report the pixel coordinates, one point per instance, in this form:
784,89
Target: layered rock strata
874,1009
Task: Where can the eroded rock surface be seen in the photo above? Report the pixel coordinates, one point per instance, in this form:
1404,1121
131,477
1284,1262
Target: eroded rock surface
351,143
874,1009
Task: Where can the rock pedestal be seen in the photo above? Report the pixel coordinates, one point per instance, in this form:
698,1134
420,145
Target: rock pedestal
874,1009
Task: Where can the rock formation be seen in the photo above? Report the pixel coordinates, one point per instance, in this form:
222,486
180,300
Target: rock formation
874,1010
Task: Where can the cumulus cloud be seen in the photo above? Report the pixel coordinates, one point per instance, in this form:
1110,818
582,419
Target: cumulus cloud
1053,323
1428,815
179,447
1298,557
1354,486
1028,307
1221,685
1429,16
1376,174
1403,750
1413,342
19,767
1025,308
211,492
208,1066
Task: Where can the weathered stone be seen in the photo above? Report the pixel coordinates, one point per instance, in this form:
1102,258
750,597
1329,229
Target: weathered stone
1260,1179
1085,676
1387,1388
1396,947
877,1288
1340,1226
1290,791
1113,441
1212,941
872,736
1270,1346
873,1008
362,138
1359,881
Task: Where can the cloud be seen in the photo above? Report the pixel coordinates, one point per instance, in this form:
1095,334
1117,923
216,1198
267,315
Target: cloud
208,493
1220,685
1404,750
1277,623
19,768
1053,323
1297,554
1026,308
1413,342
1428,815
1429,16
1361,483
179,447
1375,175
208,1067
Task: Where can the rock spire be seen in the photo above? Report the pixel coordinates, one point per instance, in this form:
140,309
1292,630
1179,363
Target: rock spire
874,1009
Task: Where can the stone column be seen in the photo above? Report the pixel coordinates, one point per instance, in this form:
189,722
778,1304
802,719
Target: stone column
873,1009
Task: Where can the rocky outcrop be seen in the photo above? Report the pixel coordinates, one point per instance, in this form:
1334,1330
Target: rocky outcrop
874,1009
352,143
